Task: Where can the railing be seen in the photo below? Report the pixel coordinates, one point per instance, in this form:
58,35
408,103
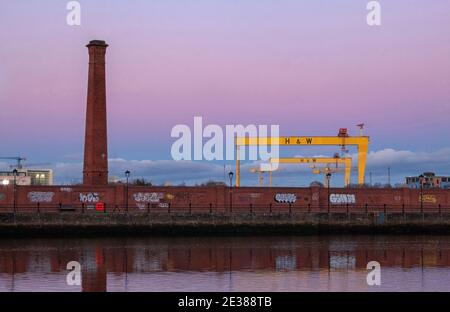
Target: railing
273,208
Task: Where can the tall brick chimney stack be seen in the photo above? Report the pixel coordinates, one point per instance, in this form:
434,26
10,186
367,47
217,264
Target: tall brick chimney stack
95,169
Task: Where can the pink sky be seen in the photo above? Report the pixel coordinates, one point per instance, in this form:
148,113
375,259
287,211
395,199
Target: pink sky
310,66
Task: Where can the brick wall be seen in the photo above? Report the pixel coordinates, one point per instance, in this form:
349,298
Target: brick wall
215,197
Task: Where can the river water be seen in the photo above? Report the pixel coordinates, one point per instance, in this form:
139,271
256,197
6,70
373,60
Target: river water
263,263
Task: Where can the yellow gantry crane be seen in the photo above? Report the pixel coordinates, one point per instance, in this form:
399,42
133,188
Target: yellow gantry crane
326,171
261,175
342,140
347,161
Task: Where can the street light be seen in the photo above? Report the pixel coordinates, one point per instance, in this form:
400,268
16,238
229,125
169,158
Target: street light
421,178
14,191
230,175
328,175
127,175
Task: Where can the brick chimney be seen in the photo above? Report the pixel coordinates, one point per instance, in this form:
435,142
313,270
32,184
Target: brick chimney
95,168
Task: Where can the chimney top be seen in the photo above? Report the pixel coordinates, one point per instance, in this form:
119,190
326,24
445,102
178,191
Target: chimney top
99,43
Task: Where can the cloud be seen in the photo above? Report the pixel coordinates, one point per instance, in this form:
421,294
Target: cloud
157,171
167,170
410,162
67,173
401,162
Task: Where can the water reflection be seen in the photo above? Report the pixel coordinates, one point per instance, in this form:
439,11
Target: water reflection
280,263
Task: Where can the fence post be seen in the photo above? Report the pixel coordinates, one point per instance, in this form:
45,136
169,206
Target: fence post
60,207
251,208
82,207
385,210
190,208
210,208
168,208
367,208
148,208
403,209
439,209
270,208
38,207
290,208
347,208
309,207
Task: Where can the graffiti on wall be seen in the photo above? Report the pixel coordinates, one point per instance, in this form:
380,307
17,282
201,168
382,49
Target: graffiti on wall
40,197
431,199
248,197
142,199
89,197
188,196
315,197
148,197
342,198
285,198
163,205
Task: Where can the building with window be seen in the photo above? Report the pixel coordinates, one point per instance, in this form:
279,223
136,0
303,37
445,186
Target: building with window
28,177
428,180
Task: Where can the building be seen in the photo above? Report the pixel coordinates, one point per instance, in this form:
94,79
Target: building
40,176
428,180
28,177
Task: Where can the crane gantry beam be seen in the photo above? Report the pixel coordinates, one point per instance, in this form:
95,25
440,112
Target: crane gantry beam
347,161
261,175
326,171
361,142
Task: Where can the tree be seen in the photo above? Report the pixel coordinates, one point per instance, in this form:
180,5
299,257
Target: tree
212,183
141,182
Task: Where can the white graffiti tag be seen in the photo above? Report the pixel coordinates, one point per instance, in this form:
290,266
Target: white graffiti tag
148,197
342,198
40,197
285,198
89,198
141,205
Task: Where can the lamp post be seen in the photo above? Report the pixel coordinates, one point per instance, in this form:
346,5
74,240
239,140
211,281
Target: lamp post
127,175
389,176
421,178
230,175
14,190
328,175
